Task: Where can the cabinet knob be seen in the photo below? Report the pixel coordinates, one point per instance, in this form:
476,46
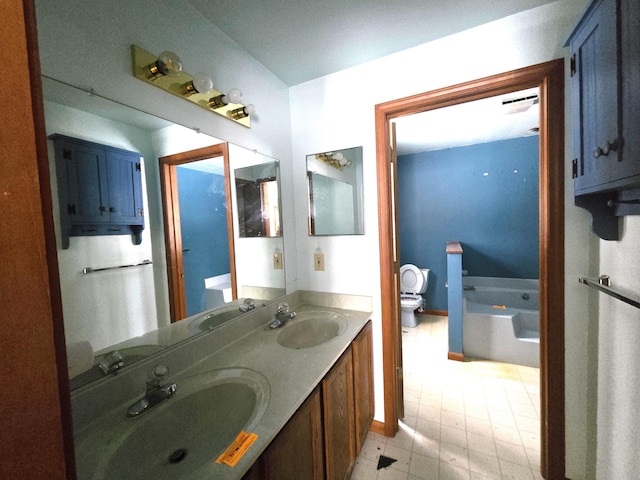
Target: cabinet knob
606,148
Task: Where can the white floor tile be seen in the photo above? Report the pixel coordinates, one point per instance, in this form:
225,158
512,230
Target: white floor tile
473,420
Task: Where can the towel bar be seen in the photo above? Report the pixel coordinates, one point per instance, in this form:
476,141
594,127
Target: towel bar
93,270
603,283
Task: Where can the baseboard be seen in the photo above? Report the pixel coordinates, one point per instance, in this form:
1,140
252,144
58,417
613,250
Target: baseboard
458,357
377,427
440,313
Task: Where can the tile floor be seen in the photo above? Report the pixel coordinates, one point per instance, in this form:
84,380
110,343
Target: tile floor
463,420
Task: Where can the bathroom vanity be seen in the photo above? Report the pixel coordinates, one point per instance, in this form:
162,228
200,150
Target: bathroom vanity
302,393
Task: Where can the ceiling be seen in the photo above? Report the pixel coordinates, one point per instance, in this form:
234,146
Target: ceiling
300,40
470,123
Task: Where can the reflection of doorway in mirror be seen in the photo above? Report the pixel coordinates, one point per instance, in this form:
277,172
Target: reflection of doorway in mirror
270,207
203,226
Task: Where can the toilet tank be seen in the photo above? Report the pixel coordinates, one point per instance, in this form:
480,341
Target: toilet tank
425,274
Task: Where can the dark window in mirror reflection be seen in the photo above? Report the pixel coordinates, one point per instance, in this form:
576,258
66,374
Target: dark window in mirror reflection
258,201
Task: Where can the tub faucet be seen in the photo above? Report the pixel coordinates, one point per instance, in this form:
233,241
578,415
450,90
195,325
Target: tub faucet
283,315
156,392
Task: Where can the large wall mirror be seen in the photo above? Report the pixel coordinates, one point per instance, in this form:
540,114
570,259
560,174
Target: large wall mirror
128,309
335,192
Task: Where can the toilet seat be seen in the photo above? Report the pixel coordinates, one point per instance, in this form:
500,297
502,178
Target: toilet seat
411,279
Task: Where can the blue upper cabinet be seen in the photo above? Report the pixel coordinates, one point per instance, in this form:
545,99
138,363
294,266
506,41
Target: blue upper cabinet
604,65
99,189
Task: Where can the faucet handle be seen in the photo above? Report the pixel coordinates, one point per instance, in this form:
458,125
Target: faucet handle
157,374
283,308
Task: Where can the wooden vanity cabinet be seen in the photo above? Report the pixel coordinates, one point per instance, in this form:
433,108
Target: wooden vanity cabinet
339,419
296,452
323,438
363,384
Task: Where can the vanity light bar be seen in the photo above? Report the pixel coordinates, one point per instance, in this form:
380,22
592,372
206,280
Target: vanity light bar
176,84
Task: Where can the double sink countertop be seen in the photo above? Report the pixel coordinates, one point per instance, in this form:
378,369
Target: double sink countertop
244,346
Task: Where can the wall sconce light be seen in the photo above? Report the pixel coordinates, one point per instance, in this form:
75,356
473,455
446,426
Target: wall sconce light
242,112
222,100
165,72
336,160
168,63
201,83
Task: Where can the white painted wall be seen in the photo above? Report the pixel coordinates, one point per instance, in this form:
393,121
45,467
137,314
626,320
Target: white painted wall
320,122
619,358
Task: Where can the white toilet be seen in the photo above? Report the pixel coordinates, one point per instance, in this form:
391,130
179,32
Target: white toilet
413,282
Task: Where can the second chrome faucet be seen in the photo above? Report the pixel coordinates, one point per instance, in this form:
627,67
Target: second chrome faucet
283,315
156,392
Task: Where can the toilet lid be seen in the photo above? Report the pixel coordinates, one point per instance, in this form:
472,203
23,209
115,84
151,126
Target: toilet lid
411,279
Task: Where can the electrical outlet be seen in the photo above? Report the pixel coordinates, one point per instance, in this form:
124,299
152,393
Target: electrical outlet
277,261
318,262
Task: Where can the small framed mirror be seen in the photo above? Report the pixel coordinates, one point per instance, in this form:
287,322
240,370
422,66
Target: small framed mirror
258,197
335,192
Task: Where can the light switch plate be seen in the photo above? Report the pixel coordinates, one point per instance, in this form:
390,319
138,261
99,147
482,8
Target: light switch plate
318,262
277,261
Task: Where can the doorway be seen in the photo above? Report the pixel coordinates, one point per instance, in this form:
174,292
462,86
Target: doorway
178,300
549,78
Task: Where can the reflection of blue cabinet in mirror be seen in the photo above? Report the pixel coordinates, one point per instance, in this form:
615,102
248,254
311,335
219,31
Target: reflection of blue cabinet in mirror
99,188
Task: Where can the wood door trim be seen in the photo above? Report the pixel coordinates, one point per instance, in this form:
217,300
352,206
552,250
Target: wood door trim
549,77
171,217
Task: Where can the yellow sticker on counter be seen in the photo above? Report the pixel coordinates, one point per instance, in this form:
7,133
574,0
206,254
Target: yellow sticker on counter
237,449
501,307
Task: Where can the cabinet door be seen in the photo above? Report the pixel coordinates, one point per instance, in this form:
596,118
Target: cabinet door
630,80
296,453
87,197
595,98
125,188
363,384
339,431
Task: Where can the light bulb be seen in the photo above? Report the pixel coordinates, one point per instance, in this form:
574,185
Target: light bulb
234,96
169,63
202,83
250,109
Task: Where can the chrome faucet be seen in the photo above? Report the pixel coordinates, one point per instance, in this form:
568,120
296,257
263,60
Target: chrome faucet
283,315
156,392
248,305
111,363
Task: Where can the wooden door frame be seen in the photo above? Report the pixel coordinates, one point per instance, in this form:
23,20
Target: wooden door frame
171,217
549,78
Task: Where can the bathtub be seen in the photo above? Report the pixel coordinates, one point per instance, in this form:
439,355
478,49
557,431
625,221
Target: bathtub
501,320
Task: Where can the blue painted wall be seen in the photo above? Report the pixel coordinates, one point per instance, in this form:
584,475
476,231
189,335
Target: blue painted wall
484,196
203,220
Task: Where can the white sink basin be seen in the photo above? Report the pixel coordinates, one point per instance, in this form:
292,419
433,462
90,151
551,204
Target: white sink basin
310,329
180,437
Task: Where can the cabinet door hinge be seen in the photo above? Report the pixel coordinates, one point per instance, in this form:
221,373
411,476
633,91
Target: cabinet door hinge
138,167
66,153
574,168
573,64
